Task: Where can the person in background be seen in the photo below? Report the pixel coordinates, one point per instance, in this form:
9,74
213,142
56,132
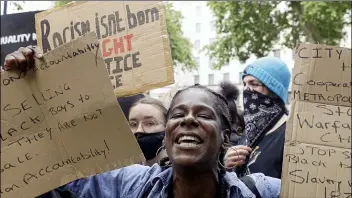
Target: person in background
147,118
231,92
266,82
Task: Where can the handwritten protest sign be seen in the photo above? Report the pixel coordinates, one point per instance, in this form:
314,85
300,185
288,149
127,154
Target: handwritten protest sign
317,157
61,122
133,37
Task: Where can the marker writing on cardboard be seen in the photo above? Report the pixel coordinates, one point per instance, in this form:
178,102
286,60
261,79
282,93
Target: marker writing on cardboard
12,77
28,177
91,153
69,55
318,52
111,24
33,138
292,158
120,45
17,161
14,130
321,98
336,125
62,126
320,83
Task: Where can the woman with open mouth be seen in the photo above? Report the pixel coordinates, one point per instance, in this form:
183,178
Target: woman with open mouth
196,138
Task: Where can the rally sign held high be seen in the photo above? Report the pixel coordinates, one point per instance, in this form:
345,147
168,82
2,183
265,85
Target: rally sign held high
317,156
133,38
60,122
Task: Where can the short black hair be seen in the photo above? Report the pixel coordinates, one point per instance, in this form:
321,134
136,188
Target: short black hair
220,105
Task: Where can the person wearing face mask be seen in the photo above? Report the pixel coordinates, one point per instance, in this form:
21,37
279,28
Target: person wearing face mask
147,121
266,82
231,92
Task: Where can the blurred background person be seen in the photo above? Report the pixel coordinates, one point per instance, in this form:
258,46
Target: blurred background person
147,118
266,82
231,93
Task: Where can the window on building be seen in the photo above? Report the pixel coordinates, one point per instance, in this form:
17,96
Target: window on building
197,44
293,54
211,40
276,53
210,63
198,27
211,79
196,79
212,25
226,77
240,77
197,61
226,65
198,11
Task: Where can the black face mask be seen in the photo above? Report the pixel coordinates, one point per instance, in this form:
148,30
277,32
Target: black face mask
150,143
261,113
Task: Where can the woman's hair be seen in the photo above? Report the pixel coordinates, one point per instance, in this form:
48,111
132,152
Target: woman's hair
231,92
151,101
127,102
221,109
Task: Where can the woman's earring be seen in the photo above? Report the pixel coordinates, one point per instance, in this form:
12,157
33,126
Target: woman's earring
163,162
159,149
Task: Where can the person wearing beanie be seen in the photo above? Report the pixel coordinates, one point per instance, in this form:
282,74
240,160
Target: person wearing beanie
260,150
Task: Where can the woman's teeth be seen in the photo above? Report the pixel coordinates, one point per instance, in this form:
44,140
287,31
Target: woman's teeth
188,140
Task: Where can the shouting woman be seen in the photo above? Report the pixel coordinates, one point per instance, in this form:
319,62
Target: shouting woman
196,135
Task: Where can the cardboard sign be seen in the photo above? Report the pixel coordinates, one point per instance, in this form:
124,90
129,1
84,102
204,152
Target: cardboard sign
133,38
61,122
17,30
317,156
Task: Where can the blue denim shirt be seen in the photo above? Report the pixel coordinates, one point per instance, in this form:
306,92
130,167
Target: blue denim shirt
139,181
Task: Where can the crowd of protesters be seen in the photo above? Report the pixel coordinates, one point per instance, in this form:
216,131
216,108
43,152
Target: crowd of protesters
202,145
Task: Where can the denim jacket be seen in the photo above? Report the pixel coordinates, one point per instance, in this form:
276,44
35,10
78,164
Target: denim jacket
139,181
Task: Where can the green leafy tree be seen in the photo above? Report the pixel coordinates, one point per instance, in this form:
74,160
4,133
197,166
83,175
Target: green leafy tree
249,27
181,47
18,4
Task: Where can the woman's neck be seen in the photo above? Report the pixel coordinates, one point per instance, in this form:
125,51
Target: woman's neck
149,162
193,184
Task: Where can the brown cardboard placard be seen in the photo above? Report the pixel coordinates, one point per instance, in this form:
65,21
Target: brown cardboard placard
61,122
317,156
133,38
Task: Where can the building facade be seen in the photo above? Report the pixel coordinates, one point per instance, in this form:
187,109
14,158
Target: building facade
199,26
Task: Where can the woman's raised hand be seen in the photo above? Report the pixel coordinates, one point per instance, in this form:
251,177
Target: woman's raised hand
23,58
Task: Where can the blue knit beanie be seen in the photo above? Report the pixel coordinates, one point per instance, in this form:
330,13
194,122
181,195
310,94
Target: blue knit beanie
273,73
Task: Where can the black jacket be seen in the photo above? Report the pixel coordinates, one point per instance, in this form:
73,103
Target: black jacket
267,155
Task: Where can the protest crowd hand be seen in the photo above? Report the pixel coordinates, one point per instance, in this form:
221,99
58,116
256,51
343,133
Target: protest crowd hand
23,58
236,156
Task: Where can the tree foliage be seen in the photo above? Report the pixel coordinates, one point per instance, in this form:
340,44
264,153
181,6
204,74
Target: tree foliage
181,47
249,27
18,4
61,3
